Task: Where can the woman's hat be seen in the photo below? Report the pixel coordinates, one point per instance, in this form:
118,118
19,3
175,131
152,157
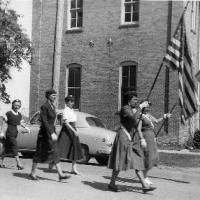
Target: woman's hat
49,92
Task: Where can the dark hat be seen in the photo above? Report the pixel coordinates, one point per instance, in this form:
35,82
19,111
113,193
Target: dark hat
69,98
49,92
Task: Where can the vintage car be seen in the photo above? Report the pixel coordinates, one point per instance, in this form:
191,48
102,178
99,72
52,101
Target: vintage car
96,140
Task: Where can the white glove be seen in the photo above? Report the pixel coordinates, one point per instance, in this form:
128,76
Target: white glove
144,104
54,137
167,115
143,143
2,135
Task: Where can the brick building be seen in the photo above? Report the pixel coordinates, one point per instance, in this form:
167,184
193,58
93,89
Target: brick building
108,47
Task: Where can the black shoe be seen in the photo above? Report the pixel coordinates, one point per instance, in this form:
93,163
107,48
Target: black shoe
20,167
2,166
113,188
63,177
34,178
148,189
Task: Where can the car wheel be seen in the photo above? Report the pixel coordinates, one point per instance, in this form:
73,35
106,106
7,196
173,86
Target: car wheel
85,152
102,160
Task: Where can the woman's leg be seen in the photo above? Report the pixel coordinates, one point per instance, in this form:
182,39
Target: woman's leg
34,168
74,168
19,165
61,175
114,177
140,175
146,178
2,159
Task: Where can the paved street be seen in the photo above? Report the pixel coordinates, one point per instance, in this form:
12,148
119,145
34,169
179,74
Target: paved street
172,184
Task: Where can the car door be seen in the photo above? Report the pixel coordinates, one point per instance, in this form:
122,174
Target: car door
28,141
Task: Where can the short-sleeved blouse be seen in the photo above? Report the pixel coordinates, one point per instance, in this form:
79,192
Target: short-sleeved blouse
69,115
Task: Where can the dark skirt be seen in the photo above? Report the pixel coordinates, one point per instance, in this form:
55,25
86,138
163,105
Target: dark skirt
151,156
125,154
69,145
10,146
46,151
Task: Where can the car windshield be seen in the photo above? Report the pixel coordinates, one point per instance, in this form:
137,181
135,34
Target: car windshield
35,119
95,122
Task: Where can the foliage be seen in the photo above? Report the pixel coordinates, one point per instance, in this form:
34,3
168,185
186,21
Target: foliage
15,46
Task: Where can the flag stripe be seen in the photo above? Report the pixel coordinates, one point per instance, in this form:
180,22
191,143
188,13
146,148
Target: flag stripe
178,58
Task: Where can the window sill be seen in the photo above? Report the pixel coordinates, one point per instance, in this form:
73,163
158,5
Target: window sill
80,30
128,26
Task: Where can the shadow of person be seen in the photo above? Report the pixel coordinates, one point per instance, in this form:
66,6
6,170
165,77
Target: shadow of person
104,187
27,176
124,180
47,170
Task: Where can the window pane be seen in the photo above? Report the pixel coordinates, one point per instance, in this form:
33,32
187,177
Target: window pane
127,0
73,3
125,77
135,7
73,14
132,76
73,23
79,3
135,17
75,92
127,17
79,22
74,77
127,8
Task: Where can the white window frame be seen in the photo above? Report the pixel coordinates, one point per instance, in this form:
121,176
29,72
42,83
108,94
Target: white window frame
69,17
193,16
123,14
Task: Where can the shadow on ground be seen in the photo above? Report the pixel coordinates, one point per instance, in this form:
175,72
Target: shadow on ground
27,176
104,187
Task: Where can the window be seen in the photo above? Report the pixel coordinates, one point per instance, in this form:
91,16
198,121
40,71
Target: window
128,79
74,83
130,12
75,14
95,122
193,16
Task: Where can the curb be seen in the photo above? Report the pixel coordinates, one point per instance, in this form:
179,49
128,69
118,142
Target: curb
182,152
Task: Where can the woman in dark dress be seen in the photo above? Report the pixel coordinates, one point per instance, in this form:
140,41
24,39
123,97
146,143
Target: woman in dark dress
46,150
127,150
150,152
68,140
13,118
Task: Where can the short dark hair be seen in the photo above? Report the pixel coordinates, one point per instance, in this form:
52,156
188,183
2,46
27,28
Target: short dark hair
69,98
128,96
49,92
16,101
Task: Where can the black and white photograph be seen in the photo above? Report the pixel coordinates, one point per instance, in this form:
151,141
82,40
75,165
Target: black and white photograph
99,99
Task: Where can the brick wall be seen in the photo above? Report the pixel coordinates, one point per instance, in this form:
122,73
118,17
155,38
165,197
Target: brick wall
145,45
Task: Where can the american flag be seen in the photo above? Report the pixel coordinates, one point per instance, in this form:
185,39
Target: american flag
178,58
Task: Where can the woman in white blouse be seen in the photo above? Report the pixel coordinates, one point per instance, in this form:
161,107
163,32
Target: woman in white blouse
68,141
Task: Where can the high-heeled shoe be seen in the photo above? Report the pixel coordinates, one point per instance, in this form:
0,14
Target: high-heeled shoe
60,178
113,188
20,167
75,172
34,178
148,189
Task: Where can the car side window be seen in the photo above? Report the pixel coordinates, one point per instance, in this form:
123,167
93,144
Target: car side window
95,122
35,119
59,119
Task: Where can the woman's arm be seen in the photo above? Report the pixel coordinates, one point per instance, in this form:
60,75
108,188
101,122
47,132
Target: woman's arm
154,120
3,128
142,140
69,126
23,124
